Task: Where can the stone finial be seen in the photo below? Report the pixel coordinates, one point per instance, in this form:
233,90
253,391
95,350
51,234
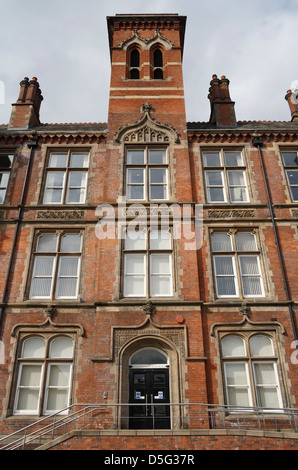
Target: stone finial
244,310
146,108
148,308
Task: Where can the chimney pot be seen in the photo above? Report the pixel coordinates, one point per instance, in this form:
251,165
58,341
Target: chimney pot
292,100
222,107
25,112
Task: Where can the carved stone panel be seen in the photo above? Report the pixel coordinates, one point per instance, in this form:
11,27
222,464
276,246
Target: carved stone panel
174,335
147,129
231,213
60,214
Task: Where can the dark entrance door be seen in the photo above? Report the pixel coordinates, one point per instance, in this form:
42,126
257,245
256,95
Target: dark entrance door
149,399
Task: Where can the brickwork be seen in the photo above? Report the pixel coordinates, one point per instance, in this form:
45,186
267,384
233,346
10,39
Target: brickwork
106,327
177,443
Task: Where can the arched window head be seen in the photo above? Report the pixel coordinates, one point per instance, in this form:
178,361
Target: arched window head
233,345
148,357
261,345
134,64
34,347
62,346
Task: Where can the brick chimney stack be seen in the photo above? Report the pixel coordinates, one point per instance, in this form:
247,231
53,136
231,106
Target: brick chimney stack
222,107
292,100
25,112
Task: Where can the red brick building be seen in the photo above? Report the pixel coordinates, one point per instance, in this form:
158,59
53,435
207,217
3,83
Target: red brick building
149,265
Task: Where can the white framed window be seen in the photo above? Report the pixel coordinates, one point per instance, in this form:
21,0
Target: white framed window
5,168
237,267
290,161
148,270
66,177
225,177
56,266
250,372
147,174
44,375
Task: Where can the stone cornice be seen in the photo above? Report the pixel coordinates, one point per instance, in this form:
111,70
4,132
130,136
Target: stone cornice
53,138
147,21
236,136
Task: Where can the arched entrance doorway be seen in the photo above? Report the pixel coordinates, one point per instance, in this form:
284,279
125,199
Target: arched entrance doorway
149,391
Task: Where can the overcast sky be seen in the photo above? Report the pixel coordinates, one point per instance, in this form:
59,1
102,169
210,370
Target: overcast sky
64,43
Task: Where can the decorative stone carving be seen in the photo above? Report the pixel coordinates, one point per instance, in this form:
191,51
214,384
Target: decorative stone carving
146,129
149,309
231,213
175,334
135,211
50,312
146,108
146,135
244,310
60,214
146,43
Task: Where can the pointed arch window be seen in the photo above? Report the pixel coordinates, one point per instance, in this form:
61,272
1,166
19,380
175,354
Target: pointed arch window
158,64
134,64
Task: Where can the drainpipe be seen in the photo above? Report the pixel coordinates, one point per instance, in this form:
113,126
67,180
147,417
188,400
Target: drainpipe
32,143
258,142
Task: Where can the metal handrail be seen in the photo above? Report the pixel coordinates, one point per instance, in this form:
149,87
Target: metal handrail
219,417
50,426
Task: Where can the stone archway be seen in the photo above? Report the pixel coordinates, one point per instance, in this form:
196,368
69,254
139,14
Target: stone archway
172,342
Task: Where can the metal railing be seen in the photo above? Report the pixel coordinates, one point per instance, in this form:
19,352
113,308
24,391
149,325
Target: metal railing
100,417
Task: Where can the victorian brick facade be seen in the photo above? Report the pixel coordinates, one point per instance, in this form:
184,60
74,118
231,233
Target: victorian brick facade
149,264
